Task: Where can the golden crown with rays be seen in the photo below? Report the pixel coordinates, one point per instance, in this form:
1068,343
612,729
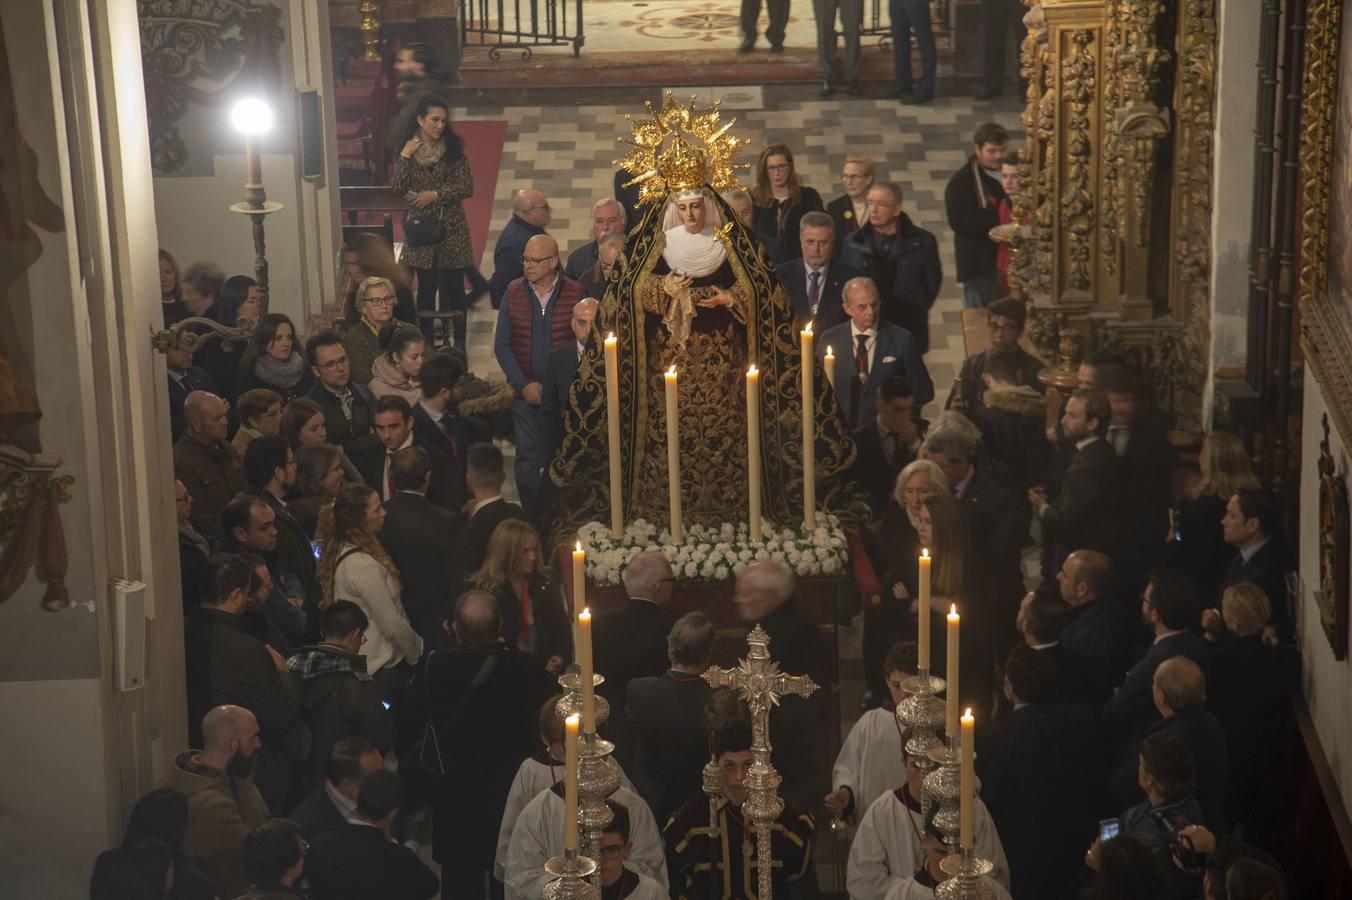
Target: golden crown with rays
680,148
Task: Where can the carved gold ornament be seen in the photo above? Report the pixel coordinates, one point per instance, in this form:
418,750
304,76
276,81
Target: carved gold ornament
680,148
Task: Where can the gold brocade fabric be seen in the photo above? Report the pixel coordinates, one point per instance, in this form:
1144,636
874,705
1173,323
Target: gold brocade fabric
712,364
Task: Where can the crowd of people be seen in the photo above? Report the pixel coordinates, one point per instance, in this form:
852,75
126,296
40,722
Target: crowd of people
373,629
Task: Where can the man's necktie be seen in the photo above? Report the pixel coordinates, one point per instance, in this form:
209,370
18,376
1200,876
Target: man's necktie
857,384
389,474
1117,436
814,289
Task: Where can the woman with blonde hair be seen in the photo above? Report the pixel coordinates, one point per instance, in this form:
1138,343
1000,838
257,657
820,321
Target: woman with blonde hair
1251,678
365,255
375,302
1200,550
396,370
895,549
354,565
171,291
781,199
533,616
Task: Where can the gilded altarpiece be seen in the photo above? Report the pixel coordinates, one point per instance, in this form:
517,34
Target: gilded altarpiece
1117,187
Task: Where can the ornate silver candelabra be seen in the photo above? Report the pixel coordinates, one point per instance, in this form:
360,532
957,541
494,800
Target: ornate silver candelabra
922,715
943,786
598,775
571,872
965,871
761,684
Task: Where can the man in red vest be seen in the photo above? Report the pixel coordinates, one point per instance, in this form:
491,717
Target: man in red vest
534,318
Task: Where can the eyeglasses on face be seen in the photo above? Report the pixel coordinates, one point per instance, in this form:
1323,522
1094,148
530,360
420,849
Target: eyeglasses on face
334,363
385,300
532,261
612,851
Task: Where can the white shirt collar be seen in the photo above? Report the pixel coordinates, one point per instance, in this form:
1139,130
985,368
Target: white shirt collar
1167,634
1247,552
482,503
1080,445
855,332
1046,646
345,806
433,414
808,268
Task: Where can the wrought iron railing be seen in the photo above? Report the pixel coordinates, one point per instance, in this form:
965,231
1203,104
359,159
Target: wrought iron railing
521,25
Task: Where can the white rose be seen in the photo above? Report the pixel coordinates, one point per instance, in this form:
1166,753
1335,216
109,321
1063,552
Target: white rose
690,570
763,554
721,573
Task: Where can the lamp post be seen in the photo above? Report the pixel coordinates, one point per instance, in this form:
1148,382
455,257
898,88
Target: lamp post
252,118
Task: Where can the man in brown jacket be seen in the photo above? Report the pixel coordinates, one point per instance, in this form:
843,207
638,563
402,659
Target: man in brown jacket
223,804
205,461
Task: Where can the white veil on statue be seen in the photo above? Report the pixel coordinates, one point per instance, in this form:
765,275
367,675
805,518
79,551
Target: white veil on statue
698,254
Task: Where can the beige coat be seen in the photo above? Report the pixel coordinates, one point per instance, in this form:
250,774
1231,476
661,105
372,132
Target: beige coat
222,811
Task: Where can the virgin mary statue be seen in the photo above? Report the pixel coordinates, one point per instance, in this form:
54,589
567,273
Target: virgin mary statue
693,290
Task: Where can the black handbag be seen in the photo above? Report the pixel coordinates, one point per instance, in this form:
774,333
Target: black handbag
423,229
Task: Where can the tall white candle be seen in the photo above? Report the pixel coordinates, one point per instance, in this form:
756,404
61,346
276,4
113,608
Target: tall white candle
673,457
753,452
586,670
967,782
922,627
612,351
570,760
954,622
579,579
829,364
809,432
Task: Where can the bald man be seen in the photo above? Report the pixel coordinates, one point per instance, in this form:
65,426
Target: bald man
224,806
530,216
491,690
558,379
535,317
205,461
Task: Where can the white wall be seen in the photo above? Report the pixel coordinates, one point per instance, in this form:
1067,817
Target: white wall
1326,682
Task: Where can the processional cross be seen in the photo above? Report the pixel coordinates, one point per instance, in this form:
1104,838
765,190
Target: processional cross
758,679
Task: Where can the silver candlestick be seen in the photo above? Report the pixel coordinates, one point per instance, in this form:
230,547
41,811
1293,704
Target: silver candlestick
966,871
598,775
943,786
571,872
922,715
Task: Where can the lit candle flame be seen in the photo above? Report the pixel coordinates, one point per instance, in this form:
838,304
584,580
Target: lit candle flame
753,370
953,611
808,329
924,553
968,714
829,351
578,547
610,337
672,370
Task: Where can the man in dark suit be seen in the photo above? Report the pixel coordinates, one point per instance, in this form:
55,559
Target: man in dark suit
608,250
486,509
902,259
1096,627
327,807
1251,526
485,688
666,717
745,211
373,455
1083,516
885,445
1041,772
870,350
558,380
1005,320
850,210
608,217
420,538
814,281
361,859
436,423
631,641
764,596
184,378
1169,607
270,469
345,404
1179,694
1147,462
530,215
1040,619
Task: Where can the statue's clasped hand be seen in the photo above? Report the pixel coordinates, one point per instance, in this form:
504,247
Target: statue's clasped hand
675,284
720,297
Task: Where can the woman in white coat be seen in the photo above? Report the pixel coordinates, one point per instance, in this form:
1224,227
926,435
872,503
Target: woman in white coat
353,565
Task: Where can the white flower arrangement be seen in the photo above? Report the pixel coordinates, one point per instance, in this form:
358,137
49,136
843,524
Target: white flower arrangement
715,553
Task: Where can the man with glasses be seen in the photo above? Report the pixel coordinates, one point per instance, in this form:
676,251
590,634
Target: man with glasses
901,258
1005,319
617,879
850,210
535,317
530,216
346,405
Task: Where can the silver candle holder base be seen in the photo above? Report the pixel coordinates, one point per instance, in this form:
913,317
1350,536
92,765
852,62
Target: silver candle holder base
965,872
571,872
922,714
598,776
571,704
943,786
